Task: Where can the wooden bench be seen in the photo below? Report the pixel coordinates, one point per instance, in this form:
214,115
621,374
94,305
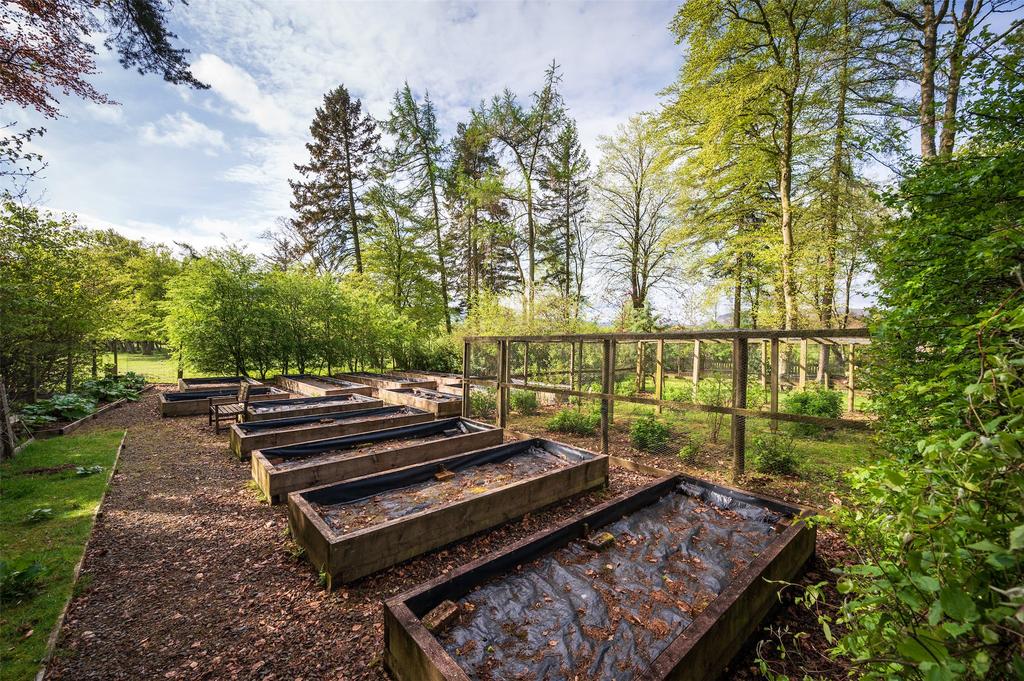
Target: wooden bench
231,411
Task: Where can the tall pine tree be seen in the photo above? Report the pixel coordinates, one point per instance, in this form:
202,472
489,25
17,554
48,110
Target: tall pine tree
564,194
328,199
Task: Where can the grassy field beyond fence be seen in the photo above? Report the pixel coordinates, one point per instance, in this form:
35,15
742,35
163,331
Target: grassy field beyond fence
48,495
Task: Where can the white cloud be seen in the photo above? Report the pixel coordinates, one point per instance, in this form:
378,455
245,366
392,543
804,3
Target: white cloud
105,113
239,89
183,131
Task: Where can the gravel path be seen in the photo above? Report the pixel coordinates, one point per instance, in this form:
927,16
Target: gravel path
188,575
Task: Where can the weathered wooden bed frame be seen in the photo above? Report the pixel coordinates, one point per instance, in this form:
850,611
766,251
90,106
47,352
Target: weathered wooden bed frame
441,408
699,653
277,481
345,557
242,443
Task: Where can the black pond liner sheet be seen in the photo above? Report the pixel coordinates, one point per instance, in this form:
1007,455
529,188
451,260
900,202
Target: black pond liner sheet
581,613
204,394
356,414
428,394
275,405
467,481
284,455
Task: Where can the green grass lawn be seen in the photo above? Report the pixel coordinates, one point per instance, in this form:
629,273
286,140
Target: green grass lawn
157,368
43,476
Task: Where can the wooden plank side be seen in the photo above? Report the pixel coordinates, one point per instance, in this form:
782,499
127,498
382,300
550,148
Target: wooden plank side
411,653
252,413
405,396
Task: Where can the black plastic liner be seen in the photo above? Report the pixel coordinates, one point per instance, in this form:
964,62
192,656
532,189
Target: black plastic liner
322,399
222,392
580,613
456,426
354,490
273,424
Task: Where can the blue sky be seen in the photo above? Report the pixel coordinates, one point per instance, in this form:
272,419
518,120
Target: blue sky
171,164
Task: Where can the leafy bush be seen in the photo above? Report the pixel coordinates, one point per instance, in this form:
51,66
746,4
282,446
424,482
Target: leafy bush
757,396
817,401
689,452
112,388
648,434
523,401
482,403
39,514
774,454
66,407
572,420
15,584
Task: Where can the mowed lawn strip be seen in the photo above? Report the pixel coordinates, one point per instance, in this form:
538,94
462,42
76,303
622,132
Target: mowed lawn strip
55,542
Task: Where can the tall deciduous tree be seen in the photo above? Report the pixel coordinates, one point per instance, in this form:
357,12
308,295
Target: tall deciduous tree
633,212
328,199
565,191
527,134
419,155
754,60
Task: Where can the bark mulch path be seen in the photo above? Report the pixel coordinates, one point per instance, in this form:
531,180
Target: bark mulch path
188,575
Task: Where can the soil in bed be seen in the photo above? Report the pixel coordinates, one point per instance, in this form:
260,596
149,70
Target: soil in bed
355,450
468,482
586,613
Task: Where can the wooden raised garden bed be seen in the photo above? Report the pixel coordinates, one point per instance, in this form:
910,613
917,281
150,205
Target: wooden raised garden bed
386,381
309,406
279,470
321,386
197,402
214,383
252,435
436,376
438,403
664,582
451,386
354,528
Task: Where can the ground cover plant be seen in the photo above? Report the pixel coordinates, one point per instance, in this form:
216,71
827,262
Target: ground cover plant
40,549
574,420
648,433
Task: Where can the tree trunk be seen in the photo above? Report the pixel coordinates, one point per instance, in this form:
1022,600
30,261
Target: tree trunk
531,242
785,200
352,216
929,45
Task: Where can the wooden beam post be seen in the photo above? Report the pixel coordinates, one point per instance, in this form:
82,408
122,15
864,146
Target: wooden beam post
526,363
612,363
739,400
466,387
659,372
764,365
607,364
850,388
802,380
776,369
503,373
696,367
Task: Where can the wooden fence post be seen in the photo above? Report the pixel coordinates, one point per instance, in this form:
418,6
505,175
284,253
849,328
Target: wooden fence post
466,387
739,400
607,364
696,367
526,363
503,374
572,365
802,379
776,369
764,365
659,372
612,363
850,389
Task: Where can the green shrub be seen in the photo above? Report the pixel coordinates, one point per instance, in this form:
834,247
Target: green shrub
689,452
815,401
572,420
482,403
112,388
16,584
66,407
648,434
774,454
523,401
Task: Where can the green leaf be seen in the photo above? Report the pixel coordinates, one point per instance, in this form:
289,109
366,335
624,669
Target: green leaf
957,604
1017,538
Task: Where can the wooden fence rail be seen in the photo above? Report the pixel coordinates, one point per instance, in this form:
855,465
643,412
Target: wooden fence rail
773,370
